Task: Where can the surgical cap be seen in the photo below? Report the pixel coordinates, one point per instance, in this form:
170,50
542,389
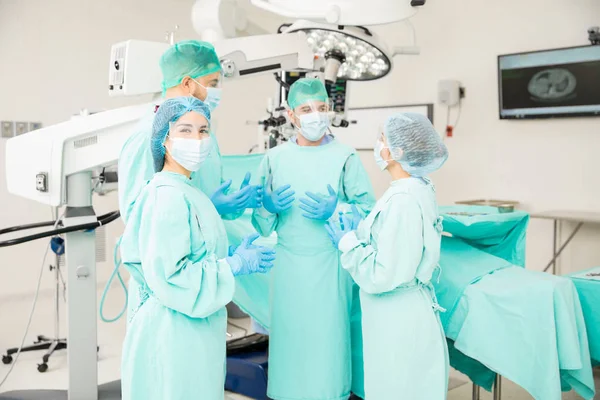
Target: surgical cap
415,144
306,89
188,58
170,111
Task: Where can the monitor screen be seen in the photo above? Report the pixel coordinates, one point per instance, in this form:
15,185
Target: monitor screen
550,83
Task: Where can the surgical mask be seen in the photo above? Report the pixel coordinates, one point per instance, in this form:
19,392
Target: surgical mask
381,163
314,125
213,96
190,153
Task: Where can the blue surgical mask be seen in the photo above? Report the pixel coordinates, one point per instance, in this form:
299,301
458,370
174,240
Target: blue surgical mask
190,153
381,163
213,96
313,126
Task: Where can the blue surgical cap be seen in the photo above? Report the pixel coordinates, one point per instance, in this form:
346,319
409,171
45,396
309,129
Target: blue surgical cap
170,111
306,89
415,144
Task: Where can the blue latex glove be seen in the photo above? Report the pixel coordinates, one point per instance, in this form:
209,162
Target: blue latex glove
337,229
279,200
356,218
249,196
231,250
249,258
319,207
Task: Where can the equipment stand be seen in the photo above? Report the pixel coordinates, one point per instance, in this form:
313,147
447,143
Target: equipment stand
81,301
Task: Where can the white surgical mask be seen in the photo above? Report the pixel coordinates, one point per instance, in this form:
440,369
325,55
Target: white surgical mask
213,96
190,153
314,125
381,163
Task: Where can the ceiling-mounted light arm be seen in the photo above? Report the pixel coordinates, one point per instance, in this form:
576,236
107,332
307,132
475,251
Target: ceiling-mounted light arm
343,12
288,12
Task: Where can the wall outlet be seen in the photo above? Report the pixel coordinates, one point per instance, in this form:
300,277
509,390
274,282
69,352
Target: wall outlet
21,128
34,126
8,129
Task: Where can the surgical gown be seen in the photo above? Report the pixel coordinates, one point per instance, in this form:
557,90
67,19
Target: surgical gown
174,246
392,256
136,168
311,295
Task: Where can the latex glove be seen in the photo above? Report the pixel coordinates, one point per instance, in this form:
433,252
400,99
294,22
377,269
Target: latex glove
231,250
319,207
337,229
356,217
279,200
256,195
249,258
236,201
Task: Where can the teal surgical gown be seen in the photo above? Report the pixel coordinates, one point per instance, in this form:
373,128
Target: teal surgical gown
136,169
392,256
312,298
174,246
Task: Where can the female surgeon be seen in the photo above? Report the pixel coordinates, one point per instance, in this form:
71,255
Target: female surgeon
176,249
392,255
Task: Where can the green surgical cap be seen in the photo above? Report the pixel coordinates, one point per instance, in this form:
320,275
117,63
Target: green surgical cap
188,58
306,89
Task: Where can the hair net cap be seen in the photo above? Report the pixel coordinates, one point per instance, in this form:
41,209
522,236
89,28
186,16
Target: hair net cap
415,144
170,111
188,58
306,89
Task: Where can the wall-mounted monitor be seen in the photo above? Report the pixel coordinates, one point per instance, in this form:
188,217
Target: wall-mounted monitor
550,83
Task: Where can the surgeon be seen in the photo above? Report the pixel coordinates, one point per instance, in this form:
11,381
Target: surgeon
189,68
176,249
392,255
307,180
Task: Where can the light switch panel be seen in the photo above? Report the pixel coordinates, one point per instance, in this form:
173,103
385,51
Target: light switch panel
8,129
21,128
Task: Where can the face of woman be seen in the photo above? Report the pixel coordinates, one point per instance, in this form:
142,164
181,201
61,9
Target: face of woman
192,126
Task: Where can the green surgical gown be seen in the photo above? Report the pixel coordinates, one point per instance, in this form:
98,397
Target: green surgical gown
312,298
136,169
392,256
174,246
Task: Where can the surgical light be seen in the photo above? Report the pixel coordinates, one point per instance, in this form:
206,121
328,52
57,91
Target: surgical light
350,53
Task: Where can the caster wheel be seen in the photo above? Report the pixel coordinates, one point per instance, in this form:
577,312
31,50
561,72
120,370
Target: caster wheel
43,367
7,359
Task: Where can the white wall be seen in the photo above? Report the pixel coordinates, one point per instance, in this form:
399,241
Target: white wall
55,56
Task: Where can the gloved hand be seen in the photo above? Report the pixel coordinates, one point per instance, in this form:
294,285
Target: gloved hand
247,197
279,200
356,217
319,207
248,258
337,229
231,250
256,195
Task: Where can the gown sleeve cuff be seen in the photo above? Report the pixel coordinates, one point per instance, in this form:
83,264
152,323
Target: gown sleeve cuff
348,242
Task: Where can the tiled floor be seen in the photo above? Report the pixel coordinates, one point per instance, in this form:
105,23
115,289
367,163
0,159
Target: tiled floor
13,317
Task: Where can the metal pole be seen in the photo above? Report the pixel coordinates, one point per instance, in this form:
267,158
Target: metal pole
475,392
556,255
57,292
81,302
498,387
57,300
